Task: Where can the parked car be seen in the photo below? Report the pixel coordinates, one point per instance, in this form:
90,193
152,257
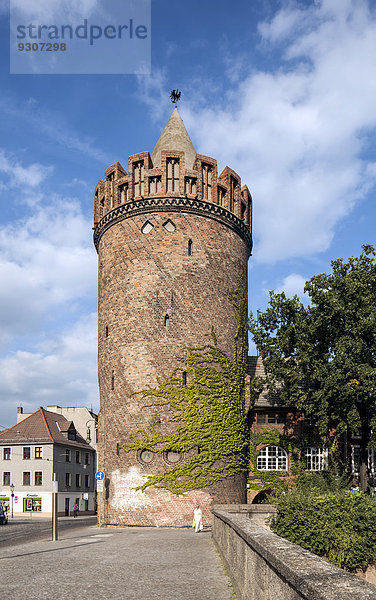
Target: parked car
3,516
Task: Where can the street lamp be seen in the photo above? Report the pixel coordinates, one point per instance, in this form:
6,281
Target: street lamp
12,496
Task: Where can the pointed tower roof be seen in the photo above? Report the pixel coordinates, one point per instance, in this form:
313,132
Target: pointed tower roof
174,137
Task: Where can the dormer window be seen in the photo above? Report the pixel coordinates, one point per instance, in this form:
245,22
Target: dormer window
172,175
138,177
207,173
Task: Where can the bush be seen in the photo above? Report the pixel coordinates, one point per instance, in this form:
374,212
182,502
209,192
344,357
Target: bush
339,526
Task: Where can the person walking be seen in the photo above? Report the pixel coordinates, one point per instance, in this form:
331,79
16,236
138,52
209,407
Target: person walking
75,510
197,519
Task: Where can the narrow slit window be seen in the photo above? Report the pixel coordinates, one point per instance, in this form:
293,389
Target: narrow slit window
113,380
190,244
166,320
106,331
184,378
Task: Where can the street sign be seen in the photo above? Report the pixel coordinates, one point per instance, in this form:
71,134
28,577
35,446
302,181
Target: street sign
99,475
99,485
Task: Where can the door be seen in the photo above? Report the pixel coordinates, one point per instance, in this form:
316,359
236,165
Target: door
67,507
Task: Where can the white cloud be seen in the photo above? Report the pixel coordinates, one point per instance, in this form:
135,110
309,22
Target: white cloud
293,285
46,260
63,372
297,134
49,10
18,175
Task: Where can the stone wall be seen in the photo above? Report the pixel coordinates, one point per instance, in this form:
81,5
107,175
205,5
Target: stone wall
264,566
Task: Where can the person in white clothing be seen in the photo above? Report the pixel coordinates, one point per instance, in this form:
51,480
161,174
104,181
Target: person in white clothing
197,519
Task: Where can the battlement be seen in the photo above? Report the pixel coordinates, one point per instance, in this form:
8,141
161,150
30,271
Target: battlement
172,179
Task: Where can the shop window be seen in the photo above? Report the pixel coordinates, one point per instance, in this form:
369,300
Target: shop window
316,459
32,504
272,458
27,453
6,453
38,452
6,478
26,478
38,478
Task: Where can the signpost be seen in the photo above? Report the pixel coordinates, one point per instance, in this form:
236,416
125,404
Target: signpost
55,488
99,476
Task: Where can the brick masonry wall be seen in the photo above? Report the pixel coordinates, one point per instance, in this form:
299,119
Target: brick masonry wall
142,278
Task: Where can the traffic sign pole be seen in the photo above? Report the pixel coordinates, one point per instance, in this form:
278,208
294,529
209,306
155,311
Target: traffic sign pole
99,476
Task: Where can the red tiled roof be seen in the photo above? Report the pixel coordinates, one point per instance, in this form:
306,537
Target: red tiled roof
42,427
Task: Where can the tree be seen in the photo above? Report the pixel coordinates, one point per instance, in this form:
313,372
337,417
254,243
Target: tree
324,355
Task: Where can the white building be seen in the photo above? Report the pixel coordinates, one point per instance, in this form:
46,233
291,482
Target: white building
31,451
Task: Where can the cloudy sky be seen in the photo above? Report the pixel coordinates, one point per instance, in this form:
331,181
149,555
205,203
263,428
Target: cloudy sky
283,92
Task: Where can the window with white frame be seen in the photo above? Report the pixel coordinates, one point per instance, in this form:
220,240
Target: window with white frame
316,459
272,458
355,460
371,461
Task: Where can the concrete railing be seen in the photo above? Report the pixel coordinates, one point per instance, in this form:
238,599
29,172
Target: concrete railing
264,566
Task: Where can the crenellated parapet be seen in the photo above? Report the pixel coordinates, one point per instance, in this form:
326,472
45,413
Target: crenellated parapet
174,181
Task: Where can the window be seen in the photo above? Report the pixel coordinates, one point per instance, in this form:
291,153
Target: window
87,481
272,458
169,226
316,459
147,227
190,244
78,456
6,453
355,459
38,478
106,331
272,418
26,478
38,452
67,455
6,478
261,418
113,380
172,175
206,181
166,320
68,479
26,453
184,378
87,458
138,178
78,480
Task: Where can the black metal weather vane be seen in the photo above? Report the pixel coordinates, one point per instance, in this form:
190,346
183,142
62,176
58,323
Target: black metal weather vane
175,96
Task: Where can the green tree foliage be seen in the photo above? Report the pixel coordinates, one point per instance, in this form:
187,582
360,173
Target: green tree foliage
206,415
340,527
324,355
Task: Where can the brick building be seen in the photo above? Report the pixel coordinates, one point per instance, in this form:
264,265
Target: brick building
172,238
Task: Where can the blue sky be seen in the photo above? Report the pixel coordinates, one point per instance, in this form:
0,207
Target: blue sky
282,92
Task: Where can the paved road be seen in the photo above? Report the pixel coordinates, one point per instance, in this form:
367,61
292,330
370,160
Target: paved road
120,564
19,530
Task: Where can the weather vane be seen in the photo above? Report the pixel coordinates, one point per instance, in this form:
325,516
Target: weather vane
175,96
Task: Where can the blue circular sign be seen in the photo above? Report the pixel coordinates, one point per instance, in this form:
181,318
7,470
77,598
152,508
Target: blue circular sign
99,475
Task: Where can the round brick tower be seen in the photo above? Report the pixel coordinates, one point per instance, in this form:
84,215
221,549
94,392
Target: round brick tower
172,237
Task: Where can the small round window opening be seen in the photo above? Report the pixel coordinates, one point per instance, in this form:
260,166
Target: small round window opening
166,321
146,456
172,458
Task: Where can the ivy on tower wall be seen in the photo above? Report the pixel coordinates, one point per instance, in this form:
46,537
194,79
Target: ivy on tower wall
209,425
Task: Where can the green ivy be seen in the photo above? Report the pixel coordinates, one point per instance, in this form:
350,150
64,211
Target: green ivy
207,414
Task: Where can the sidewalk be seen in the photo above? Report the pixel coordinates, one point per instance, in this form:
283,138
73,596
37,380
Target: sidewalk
121,564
